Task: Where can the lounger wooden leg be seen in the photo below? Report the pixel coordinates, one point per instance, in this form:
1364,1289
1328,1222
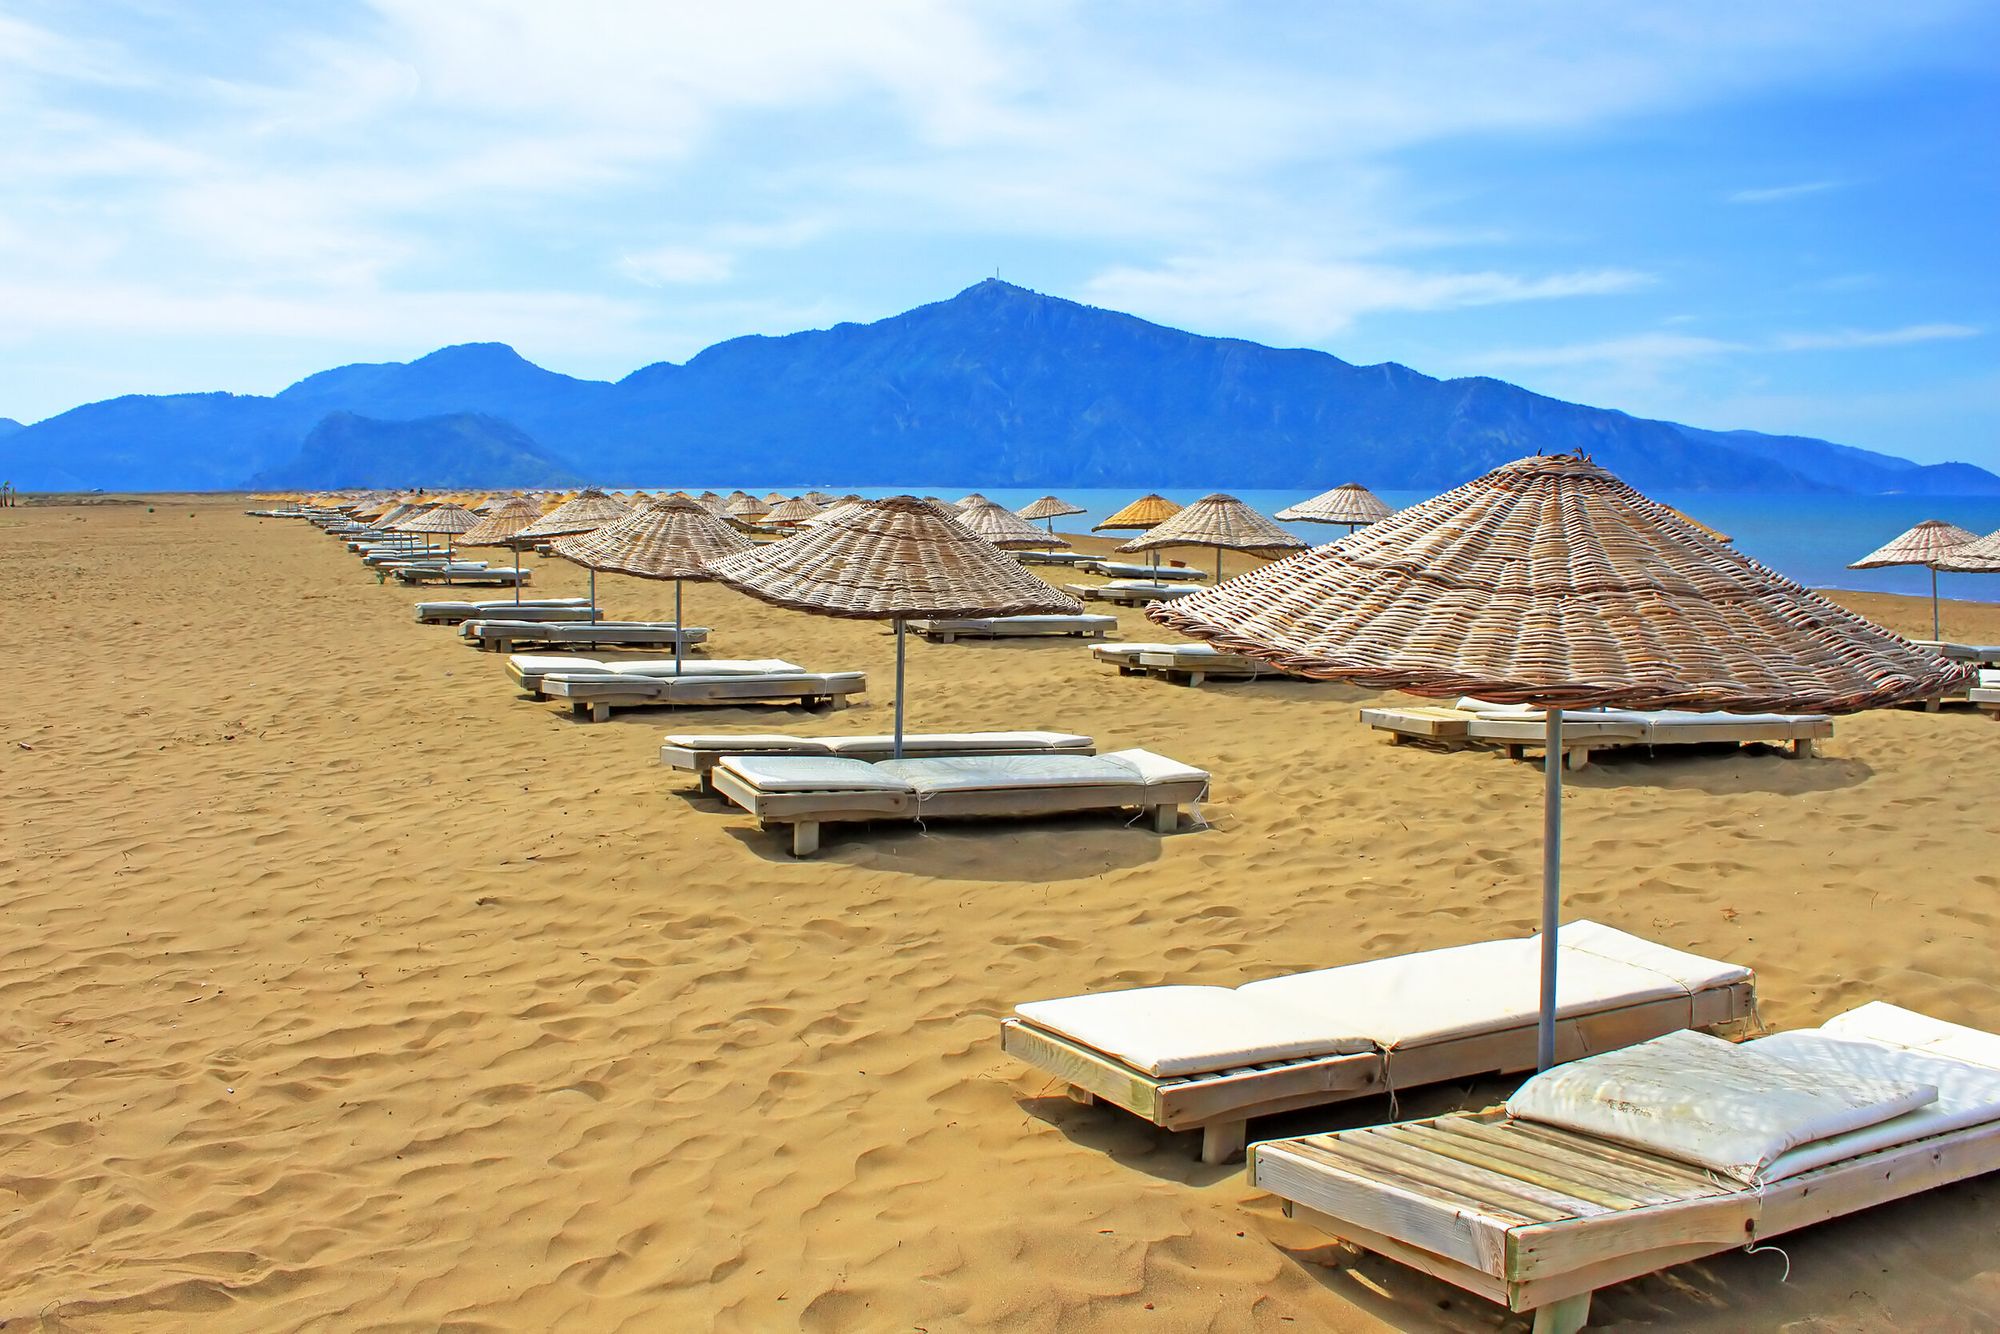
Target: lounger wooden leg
1576,757
600,712
1082,1097
1802,749
1223,1141
1564,1317
1196,678
1166,819
805,838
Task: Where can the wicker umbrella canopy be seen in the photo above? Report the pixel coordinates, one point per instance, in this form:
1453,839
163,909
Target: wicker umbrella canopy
773,497
789,513
448,519
662,539
891,560
1222,522
1927,544
1350,503
587,510
1004,528
1977,557
1548,581
1141,514
1049,507
821,498
965,502
501,527
744,509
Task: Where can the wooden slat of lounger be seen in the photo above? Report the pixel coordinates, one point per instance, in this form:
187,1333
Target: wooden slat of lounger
1621,1185
1436,1180
1492,1179
1664,1171
1391,1204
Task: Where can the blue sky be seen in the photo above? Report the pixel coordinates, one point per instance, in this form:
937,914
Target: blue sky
1771,216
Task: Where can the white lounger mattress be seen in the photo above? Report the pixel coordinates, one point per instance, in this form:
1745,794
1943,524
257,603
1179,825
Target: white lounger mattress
957,773
566,664
1379,1004
940,743
1084,621
1777,1106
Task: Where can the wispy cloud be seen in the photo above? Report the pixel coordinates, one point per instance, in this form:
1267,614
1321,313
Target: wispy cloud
676,264
1772,194
1658,348
1313,298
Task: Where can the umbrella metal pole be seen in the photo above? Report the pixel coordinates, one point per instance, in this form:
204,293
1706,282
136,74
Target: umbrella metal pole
593,595
1218,565
517,574
1935,632
680,635
898,748
1552,826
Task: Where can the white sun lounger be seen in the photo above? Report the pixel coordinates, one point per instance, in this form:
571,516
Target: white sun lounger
595,695
529,669
529,609
698,753
499,576
1985,655
501,635
1118,569
1680,1148
1125,657
1048,556
1130,592
1014,627
1985,692
1517,729
1188,664
404,555
1211,1058
806,792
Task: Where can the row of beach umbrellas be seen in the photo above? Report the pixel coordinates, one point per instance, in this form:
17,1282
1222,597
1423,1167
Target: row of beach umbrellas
1545,582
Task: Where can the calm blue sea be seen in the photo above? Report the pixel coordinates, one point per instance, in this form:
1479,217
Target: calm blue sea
1809,537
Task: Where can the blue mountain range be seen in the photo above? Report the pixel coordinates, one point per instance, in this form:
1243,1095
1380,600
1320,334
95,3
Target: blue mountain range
997,386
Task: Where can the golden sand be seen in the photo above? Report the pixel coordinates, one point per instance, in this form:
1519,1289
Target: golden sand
342,987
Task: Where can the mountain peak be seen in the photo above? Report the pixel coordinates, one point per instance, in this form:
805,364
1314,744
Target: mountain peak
468,355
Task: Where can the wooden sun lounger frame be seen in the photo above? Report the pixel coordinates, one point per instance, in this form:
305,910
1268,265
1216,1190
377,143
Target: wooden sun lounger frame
556,633
1508,1209
701,763
1222,1103
946,632
1451,728
1193,670
1132,597
527,613
497,576
805,812
594,697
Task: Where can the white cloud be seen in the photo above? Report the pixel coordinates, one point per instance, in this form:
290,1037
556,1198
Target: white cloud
1772,194
1656,349
676,264
1314,298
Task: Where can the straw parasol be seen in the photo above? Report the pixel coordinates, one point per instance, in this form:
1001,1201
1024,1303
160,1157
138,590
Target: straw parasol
891,560
1977,557
1050,508
1927,544
966,502
585,512
745,509
1145,512
791,513
1222,522
664,539
1687,518
448,519
1349,503
1548,581
501,528
1004,528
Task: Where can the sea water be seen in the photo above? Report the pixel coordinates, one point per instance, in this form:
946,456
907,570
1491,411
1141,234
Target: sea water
1810,538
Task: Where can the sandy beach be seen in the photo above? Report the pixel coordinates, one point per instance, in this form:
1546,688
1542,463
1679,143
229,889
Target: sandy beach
344,988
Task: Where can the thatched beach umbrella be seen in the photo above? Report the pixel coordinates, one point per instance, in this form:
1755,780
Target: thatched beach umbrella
1050,508
1222,522
1927,544
664,539
585,512
501,527
1548,581
966,502
745,510
447,519
889,560
1148,511
1004,528
1981,556
1349,503
791,513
